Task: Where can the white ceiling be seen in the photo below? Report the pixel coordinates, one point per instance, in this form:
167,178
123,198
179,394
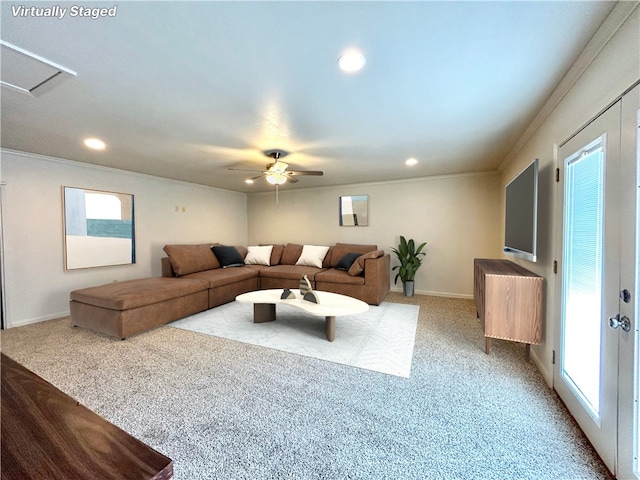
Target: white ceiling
186,90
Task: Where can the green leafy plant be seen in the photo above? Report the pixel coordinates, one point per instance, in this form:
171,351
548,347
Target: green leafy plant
410,260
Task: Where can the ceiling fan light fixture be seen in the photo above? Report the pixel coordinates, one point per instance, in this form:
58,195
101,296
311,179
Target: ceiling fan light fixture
352,61
276,178
276,172
279,167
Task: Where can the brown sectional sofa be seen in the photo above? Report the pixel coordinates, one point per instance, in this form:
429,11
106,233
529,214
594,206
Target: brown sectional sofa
367,279
125,308
194,280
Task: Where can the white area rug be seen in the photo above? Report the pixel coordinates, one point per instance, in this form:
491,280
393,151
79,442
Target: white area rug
380,339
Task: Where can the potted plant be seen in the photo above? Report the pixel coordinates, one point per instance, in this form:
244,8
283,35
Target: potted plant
410,261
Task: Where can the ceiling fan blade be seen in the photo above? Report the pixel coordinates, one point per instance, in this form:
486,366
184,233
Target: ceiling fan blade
290,179
305,172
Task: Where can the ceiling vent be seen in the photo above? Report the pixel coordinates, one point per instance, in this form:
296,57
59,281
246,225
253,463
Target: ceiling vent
28,73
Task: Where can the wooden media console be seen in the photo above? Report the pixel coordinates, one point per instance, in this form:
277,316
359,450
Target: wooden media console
508,302
46,434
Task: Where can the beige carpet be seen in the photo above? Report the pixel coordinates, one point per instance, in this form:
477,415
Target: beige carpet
380,339
226,409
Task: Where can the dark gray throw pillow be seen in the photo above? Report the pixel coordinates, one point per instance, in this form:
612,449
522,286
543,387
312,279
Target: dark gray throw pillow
346,261
228,256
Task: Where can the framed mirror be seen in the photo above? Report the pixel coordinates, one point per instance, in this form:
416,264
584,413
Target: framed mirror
354,211
99,228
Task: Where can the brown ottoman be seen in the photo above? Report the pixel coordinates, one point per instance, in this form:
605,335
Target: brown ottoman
125,308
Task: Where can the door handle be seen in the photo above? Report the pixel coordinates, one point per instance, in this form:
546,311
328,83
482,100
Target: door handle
616,321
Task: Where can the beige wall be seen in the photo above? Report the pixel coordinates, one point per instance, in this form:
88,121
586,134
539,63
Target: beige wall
458,216
612,71
37,286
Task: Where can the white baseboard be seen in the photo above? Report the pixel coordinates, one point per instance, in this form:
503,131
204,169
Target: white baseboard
437,294
30,321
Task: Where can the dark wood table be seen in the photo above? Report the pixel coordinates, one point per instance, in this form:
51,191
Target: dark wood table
46,434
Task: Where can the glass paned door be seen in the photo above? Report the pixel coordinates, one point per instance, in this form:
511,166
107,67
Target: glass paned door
586,369
582,273
597,368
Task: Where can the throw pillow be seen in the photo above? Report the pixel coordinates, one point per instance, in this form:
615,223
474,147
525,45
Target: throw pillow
341,249
259,255
346,261
312,255
228,256
358,266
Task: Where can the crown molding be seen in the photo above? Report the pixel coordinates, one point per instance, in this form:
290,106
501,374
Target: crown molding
103,168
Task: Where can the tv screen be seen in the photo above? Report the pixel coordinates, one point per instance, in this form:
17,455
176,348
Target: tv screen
521,214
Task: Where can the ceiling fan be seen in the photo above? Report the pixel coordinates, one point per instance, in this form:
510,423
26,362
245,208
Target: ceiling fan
276,172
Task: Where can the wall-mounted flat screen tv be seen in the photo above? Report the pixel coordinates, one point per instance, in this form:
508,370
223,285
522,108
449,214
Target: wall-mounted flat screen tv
521,214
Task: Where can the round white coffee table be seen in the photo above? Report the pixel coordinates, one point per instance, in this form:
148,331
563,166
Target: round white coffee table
330,306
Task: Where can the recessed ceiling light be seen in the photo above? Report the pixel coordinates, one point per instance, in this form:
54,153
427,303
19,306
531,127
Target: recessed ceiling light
248,181
95,143
411,162
351,61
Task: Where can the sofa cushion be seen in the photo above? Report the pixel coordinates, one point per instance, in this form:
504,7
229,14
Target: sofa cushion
358,266
312,255
346,261
290,272
276,254
137,293
339,276
341,249
228,256
326,263
226,276
290,254
186,259
242,250
259,255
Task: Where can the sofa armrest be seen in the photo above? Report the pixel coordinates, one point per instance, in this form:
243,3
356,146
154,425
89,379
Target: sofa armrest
167,269
377,272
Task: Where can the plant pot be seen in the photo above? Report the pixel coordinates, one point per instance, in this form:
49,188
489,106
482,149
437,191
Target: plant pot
407,287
